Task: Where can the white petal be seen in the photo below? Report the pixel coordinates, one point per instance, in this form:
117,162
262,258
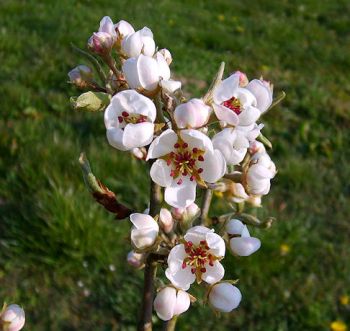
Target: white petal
143,221
214,273
216,244
148,47
124,28
262,94
182,279
163,68
160,173
176,257
143,238
107,26
195,138
181,196
162,145
225,114
138,135
115,139
225,297
197,233
249,115
234,226
131,72
226,89
148,72
245,232
170,86
165,302
244,246
214,166
182,302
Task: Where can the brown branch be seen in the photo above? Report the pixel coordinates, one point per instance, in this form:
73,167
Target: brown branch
206,201
170,325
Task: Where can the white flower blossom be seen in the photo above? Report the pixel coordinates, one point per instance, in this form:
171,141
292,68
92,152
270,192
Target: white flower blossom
192,114
145,230
129,120
145,72
184,160
196,259
139,42
260,172
242,244
240,106
224,297
13,318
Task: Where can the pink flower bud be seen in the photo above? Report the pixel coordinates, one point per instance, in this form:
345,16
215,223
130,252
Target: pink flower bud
243,80
101,43
13,318
166,220
80,76
192,114
135,259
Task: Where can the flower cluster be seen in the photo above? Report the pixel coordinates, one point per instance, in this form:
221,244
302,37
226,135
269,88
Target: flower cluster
194,146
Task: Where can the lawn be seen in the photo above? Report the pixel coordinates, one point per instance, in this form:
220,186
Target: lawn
62,257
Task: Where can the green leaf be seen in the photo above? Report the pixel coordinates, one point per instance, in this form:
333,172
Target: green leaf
90,101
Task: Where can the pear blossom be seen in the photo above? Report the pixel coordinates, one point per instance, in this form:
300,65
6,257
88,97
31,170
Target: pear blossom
241,243
224,297
101,42
196,259
171,302
129,120
240,106
166,221
192,114
259,174
123,29
145,72
139,42
12,318
232,144
135,259
185,214
183,160
144,231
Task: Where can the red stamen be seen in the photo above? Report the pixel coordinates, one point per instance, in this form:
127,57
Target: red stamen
177,145
125,114
120,119
184,145
200,158
200,170
179,182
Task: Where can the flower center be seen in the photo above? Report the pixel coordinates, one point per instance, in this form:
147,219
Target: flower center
127,118
233,104
184,162
197,257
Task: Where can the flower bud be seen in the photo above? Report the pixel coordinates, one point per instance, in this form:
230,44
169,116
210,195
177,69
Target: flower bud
254,200
167,55
243,80
123,29
256,147
166,220
135,259
101,43
224,297
171,302
238,193
185,214
81,76
139,42
12,318
192,114
145,230
139,153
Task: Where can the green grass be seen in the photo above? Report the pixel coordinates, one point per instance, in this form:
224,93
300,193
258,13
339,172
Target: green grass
57,246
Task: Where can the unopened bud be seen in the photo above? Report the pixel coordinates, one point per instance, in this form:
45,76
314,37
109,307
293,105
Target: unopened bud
224,297
81,76
101,43
135,259
139,153
256,147
12,318
166,221
186,214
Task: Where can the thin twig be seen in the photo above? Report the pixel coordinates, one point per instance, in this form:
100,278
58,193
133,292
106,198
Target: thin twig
208,194
170,325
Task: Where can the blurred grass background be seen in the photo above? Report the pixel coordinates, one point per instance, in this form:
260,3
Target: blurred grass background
63,257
